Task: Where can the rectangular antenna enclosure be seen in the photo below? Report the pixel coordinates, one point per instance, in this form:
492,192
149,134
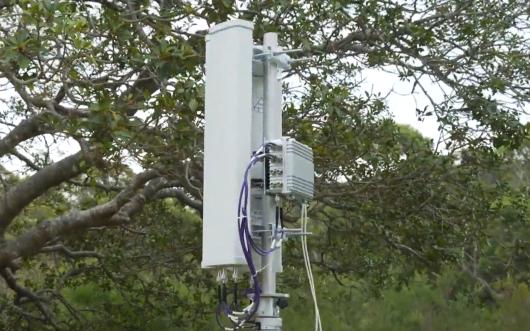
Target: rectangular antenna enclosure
227,139
290,170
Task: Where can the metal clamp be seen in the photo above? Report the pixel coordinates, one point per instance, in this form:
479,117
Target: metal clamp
278,57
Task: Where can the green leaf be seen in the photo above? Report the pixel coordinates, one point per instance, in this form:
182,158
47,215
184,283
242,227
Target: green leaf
23,62
193,104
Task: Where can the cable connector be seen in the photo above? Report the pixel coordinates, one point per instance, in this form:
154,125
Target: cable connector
235,275
222,278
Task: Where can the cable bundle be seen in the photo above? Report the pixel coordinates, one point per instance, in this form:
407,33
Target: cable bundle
245,236
247,244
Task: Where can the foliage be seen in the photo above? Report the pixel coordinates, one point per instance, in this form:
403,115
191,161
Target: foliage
419,306
96,88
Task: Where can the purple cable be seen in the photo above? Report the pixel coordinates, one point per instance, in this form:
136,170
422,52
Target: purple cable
242,225
244,189
245,237
247,244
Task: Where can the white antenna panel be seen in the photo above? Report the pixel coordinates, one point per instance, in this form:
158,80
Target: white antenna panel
227,138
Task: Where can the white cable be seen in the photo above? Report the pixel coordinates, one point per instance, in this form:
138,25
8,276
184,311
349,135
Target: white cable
305,254
307,262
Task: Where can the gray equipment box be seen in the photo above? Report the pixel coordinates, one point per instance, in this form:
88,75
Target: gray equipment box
289,169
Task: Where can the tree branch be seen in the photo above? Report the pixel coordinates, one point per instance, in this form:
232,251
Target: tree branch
181,196
22,292
34,239
27,129
70,253
24,159
25,192
19,290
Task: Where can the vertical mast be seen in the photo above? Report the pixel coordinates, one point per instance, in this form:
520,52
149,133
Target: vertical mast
272,129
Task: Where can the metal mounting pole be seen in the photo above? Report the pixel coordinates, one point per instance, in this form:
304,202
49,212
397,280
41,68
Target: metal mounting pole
268,312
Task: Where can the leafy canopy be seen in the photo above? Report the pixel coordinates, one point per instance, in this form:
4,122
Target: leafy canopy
94,87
